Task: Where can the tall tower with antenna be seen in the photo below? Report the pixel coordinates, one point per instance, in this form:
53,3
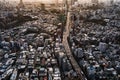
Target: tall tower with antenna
21,5
57,2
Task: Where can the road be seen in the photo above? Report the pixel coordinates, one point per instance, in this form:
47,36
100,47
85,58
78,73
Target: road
67,48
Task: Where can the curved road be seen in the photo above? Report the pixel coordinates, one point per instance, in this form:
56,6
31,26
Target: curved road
67,48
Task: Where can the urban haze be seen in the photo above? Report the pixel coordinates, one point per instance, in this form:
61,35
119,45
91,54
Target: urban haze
59,39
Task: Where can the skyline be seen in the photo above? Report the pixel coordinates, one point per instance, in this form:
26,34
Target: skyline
33,0
58,0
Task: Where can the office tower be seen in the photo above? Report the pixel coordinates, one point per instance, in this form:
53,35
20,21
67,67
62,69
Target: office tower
57,1
111,2
94,1
21,5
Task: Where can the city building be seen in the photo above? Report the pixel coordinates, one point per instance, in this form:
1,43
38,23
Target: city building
40,42
111,2
21,5
94,2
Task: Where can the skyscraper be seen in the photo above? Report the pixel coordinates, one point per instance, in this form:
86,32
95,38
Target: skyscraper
94,1
57,3
21,5
111,2
73,1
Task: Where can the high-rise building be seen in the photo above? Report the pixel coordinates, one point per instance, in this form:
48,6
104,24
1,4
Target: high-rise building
94,1
42,6
111,2
73,1
21,5
57,2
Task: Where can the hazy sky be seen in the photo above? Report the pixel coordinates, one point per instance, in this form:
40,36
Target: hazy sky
34,0
88,1
81,1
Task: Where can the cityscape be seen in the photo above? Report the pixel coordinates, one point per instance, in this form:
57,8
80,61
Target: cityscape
59,39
